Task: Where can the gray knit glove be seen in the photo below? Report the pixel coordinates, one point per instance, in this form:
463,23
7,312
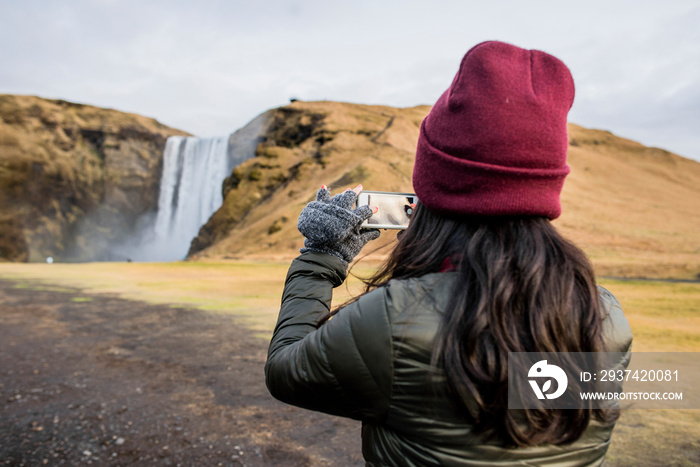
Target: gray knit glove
331,226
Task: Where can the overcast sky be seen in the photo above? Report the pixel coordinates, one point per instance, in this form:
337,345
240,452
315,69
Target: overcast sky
208,67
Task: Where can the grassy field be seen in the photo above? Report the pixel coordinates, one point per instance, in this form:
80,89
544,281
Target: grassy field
665,316
251,290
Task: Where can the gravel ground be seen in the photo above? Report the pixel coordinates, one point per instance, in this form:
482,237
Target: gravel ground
92,379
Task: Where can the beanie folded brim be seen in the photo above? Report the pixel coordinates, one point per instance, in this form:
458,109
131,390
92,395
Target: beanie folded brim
463,186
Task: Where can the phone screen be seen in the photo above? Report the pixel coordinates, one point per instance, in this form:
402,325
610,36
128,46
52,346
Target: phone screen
394,209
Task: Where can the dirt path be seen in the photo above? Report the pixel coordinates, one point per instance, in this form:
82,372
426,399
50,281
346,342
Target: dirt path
90,379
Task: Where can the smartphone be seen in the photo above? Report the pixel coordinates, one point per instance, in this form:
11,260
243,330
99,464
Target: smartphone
394,209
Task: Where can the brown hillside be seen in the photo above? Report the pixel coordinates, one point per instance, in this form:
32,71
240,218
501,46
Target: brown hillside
635,210
73,178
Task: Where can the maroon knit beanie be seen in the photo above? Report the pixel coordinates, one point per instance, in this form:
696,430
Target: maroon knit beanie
494,144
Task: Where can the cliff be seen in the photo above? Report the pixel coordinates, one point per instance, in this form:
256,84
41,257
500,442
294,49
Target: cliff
74,179
304,145
635,210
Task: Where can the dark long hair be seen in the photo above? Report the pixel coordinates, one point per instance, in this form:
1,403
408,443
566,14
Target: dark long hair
522,287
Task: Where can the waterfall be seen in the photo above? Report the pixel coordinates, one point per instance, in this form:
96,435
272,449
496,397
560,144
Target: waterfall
190,189
194,170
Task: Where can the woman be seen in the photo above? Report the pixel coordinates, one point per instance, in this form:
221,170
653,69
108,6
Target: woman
422,357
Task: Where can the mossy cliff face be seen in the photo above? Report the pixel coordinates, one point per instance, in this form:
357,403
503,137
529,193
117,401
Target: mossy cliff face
304,145
635,210
74,178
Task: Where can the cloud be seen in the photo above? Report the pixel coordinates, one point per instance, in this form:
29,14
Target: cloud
210,67
644,85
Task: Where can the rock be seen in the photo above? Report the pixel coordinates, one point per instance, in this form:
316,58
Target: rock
74,179
302,146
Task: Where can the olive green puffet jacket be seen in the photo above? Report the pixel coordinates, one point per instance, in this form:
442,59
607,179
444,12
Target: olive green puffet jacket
371,363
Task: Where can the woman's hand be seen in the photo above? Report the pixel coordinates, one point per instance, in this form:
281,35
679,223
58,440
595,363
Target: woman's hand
332,226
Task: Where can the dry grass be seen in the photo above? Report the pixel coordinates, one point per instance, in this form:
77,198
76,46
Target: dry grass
250,290
634,210
665,316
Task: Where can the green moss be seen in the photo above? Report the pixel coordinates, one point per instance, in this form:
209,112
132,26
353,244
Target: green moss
41,288
255,174
267,152
352,177
277,225
96,154
81,299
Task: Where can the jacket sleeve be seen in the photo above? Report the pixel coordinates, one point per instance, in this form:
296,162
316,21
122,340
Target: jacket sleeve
343,367
617,336
617,333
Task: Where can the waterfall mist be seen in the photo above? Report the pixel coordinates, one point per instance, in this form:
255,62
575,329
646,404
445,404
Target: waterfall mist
190,191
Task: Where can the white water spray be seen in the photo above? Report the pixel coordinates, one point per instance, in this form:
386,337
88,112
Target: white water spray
190,190
194,170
